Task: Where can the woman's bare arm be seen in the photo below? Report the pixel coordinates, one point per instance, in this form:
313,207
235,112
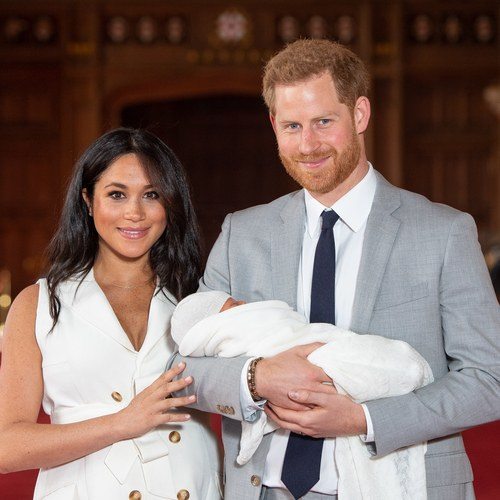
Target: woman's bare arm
25,444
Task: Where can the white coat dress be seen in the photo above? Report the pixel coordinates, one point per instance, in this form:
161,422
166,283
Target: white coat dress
91,369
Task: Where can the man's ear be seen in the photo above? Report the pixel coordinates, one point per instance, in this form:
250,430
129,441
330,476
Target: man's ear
362,111
273,121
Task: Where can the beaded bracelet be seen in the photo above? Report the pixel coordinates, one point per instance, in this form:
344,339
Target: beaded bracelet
251,378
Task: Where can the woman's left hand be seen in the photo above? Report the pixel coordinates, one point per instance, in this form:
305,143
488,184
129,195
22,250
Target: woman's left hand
152,406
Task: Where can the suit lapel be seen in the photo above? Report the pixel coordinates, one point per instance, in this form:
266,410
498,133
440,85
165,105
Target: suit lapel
381,230
286,244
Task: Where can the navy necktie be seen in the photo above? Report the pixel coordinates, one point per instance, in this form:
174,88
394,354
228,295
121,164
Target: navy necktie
302,463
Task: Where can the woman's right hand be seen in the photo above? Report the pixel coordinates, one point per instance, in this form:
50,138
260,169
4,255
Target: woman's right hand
151,407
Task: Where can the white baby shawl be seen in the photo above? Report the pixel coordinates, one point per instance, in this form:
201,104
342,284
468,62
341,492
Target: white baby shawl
365,367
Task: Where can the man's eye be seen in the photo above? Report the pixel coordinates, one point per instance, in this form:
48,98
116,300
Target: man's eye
325,121
292,126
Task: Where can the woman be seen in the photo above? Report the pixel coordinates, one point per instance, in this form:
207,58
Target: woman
90,341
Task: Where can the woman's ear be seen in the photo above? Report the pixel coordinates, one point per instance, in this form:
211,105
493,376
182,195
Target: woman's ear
87,200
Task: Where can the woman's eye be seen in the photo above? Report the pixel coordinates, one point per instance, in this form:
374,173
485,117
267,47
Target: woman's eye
152,195
116,195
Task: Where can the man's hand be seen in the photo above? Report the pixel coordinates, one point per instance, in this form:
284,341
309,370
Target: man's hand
327,414
288,371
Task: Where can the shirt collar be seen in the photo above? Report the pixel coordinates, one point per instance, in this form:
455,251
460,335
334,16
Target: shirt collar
353,208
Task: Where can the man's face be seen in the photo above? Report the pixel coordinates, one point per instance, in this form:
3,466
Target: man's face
317,140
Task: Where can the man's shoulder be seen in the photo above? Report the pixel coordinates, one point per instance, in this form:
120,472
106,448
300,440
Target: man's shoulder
415,206
434,217
268,212
412,202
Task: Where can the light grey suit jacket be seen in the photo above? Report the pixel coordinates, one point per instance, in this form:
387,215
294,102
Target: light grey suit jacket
422,279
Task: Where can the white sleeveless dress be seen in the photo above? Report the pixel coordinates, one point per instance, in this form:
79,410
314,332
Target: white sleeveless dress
91,369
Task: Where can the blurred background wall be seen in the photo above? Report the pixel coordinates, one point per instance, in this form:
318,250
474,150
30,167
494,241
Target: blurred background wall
190,71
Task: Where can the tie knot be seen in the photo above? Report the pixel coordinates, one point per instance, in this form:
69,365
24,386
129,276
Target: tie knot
330,217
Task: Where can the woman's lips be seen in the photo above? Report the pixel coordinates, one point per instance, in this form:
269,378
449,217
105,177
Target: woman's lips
133,233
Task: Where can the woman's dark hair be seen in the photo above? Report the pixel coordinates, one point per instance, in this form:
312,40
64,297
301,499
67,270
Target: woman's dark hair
174,258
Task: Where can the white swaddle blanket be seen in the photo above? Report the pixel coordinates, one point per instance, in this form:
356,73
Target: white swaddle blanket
364,367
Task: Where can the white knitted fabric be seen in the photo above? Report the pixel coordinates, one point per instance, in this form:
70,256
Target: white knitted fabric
365,367
193,308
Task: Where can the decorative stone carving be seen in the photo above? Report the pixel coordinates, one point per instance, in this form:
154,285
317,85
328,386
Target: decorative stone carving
15,29
44,29
317,27
288,29
232,26
146,29
176,30
453,29
422,28
118,29
345,29
484,29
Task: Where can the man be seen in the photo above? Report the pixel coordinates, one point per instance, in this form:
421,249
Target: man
384,261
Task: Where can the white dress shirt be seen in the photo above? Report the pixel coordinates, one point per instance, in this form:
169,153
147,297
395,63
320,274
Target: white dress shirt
353,210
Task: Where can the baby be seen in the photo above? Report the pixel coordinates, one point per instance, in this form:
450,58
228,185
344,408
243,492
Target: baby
364,367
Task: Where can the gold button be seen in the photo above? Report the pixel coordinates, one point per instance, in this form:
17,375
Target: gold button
230,410
174,437
255,480
118,397
182,495
134,494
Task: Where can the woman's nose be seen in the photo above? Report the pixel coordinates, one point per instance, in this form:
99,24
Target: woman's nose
134,210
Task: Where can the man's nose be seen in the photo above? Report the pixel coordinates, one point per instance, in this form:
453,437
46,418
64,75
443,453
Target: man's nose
308,141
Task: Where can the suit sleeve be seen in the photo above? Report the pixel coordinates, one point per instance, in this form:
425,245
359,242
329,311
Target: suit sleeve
216,380
469,394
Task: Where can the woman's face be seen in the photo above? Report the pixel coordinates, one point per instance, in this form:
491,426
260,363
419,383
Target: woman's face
128,214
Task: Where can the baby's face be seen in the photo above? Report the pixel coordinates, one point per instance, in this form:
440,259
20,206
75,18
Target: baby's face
230,303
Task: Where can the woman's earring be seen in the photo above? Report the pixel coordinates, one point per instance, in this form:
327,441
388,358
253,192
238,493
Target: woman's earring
90,211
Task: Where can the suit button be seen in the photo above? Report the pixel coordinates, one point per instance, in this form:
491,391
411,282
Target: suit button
182,495
135,495
118,397
174,437
255,480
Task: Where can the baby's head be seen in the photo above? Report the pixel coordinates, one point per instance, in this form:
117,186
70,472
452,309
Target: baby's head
230,303
197,307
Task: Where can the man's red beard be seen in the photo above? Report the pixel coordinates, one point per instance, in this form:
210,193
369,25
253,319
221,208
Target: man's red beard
326,178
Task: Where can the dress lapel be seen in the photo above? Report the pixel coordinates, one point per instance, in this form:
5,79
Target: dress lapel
160,312
286,244
88,302
381,230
